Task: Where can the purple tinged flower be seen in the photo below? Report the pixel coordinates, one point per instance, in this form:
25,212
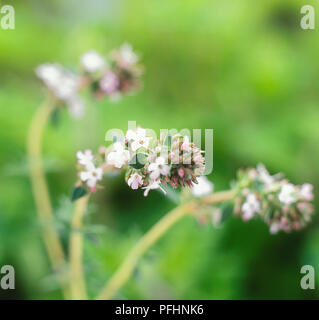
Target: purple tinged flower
110,82
119,156
250,207
85,158
287,194
91,175
306,192
157,168
135,181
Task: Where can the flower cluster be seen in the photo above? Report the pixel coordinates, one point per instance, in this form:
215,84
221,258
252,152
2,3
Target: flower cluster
91,168
172,160
64,85
282,205
112,77
149,163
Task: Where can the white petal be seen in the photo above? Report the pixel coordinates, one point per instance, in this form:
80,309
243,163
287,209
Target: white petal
165,170
153,166
91,182
160,161
155,174
130,135
135,145
84,175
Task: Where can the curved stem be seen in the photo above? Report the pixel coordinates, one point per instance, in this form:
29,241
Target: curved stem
77,279
40,189
126,269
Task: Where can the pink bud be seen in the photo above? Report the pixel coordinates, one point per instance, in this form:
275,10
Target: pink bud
181,172
93,189
102,149
283,220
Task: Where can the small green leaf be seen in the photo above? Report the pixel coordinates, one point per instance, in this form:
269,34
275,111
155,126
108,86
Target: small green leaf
227,210
77,193
138,161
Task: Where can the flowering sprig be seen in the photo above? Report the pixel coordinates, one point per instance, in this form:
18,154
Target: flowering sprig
173,159
152,164
149,163
112,77
282,205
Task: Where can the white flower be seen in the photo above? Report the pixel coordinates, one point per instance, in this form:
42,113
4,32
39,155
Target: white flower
152,186
110,82
138,139
157,168
287,194
67,87
92,175
135,181
133,134
264,175
76,107
63,83
306,192
275,227
127,55
142,142
119,156
202,188
49,73
92,61
250,207
85,158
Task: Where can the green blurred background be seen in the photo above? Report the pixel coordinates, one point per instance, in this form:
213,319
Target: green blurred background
242,67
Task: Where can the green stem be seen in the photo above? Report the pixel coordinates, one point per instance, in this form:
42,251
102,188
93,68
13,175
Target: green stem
77,278
40,190
126,269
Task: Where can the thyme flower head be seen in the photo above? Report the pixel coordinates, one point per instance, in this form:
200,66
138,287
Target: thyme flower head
109,77
148,163
281,204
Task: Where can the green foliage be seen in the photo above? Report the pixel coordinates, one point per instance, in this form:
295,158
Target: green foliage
77,193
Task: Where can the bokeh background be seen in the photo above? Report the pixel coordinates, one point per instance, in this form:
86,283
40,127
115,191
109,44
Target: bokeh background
244,68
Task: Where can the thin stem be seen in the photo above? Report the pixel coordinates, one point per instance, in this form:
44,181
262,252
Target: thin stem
77,284
126,269
40,189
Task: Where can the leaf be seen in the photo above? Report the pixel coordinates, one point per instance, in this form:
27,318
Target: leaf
227,210
77,193
138,160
